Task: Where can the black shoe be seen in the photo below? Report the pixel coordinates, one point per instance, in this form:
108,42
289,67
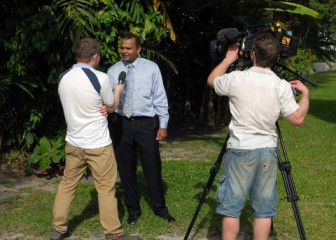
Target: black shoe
166,216
132,220
55,235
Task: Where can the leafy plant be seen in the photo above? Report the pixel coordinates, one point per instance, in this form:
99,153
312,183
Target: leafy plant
48,152
186,161
302,63
119,17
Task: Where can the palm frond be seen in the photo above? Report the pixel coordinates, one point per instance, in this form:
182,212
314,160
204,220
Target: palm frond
152,53
77,19
159,5
280,6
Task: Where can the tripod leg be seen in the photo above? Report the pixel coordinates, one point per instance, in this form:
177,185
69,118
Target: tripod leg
213,171
292,196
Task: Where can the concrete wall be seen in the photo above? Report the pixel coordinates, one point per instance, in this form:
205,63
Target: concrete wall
324,67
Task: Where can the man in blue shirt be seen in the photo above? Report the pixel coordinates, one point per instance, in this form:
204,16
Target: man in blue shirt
137,125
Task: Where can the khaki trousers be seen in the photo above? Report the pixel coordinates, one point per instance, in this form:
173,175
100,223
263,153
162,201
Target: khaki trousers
104,171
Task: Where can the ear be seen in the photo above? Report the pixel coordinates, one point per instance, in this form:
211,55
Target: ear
95,56
252,54
139,50
95,59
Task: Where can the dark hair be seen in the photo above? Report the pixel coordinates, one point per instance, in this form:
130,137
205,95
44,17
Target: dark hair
132,35
267,50
87,47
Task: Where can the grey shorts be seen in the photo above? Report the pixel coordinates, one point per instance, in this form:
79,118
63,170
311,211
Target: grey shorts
248,172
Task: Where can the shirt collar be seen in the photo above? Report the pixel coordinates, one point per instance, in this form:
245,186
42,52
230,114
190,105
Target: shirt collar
81,65
262,70
135,63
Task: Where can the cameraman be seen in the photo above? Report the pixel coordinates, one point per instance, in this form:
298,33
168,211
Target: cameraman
257,96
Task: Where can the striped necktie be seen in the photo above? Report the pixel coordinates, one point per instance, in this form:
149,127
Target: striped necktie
129,102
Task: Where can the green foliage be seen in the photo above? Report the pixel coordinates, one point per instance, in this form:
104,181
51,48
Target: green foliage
26,39
48,152
128,16
325,35
302,63
185,168
290,7
77,18
12,86
37,40
36,44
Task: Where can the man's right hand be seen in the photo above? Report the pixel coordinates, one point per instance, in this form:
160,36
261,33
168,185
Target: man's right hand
232,53
222,67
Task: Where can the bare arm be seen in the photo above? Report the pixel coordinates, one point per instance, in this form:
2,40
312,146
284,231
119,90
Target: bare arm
297,118
119,88
222,67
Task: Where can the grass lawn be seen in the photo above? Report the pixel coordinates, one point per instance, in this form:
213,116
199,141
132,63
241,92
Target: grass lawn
311,150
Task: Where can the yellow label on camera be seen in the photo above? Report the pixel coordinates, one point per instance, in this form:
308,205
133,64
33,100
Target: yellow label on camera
285,41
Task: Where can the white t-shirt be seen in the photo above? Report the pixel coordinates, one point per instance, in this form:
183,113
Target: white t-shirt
256,98
86,127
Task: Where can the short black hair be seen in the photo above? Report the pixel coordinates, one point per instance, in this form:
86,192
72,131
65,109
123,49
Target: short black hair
132,35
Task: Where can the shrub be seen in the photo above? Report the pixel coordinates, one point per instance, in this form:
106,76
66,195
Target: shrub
48,152
302,63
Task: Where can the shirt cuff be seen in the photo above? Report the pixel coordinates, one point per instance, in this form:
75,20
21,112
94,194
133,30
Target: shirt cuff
163,123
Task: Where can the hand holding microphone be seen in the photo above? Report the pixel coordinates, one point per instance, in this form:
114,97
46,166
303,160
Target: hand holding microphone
119,88
122,77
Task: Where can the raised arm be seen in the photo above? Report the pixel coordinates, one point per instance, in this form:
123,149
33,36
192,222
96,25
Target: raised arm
222,67
297,118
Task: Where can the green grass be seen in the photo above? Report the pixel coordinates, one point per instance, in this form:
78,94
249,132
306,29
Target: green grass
311,150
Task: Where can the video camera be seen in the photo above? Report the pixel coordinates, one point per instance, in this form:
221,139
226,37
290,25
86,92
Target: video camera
245,37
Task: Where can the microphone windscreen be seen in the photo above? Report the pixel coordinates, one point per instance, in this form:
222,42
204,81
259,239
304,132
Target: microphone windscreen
226,33
122,77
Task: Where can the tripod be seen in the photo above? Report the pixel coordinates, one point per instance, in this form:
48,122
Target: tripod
284,167
213,171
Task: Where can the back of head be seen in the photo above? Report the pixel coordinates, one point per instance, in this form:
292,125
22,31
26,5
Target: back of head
267,50
86,49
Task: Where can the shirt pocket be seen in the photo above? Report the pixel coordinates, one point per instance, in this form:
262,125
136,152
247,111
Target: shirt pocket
145,87
71,150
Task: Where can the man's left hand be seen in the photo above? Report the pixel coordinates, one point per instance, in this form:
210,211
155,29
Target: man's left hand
103,111
161,134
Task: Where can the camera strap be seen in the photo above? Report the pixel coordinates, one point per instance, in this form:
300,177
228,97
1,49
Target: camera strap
92,77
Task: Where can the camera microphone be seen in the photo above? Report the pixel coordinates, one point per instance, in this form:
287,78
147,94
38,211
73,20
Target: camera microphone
122,77
227,34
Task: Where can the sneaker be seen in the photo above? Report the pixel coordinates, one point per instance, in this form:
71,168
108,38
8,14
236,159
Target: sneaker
123,237
55,235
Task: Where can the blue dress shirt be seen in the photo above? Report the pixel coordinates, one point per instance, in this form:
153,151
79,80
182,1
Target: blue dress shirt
150,97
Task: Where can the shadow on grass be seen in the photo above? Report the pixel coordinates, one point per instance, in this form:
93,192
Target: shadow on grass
143,191
92,209
88,212
323,109
215,220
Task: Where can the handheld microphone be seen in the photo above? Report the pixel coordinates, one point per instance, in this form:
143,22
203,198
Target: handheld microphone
122,77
